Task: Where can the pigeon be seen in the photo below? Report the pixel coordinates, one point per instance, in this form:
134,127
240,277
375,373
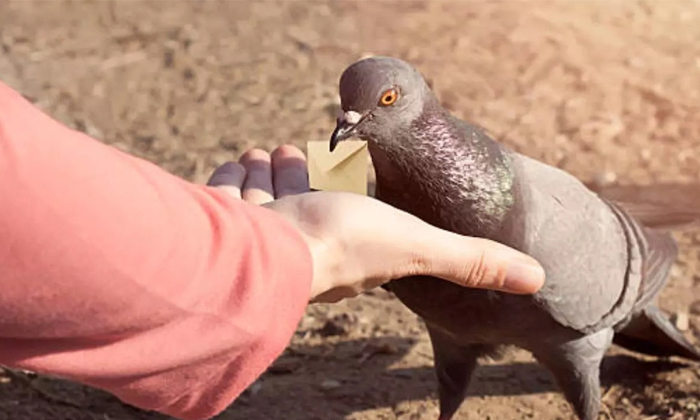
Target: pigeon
604,269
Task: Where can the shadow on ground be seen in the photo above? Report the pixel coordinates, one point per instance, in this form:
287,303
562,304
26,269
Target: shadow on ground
367,365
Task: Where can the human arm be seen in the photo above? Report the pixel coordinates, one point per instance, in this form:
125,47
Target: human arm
170,295
175,297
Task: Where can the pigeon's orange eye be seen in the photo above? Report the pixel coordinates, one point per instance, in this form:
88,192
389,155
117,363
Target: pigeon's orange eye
389,97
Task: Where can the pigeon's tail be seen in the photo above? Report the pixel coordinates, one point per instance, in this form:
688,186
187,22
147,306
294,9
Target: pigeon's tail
652,333
657,206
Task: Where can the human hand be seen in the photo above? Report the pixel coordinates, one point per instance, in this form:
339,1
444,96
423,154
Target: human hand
358,243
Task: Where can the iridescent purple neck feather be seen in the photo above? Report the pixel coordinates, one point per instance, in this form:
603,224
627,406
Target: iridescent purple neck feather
457,170
427,161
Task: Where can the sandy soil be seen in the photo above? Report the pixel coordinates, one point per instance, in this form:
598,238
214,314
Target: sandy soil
607,90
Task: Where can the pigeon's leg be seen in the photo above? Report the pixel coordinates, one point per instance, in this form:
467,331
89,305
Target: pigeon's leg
575,365
454,365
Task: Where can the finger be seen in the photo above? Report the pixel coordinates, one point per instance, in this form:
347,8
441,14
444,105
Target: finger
290,175
477,262
257,188
228,177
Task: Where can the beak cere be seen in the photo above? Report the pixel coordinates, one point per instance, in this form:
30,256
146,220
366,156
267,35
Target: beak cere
345,128
352,117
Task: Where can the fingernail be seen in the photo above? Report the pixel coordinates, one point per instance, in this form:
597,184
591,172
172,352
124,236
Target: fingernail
524,277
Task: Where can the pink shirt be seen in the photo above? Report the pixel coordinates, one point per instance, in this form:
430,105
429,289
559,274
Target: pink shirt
170,295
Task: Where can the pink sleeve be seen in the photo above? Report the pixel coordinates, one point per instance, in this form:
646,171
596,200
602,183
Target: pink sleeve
170,295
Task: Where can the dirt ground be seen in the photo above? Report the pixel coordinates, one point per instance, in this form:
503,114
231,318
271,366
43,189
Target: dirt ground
607,90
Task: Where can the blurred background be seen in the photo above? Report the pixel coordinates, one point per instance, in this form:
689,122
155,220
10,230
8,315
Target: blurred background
609,91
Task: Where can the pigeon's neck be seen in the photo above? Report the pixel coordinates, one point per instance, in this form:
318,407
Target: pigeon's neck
453,174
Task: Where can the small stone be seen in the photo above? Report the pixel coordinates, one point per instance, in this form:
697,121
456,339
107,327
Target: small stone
387,348
605,178
255,388
330,384
307,322
229,143
681,321
338,325
382,348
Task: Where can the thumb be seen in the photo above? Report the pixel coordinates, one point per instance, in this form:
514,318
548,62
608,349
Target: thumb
476,262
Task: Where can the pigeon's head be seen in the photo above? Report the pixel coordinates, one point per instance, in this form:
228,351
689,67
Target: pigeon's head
380,97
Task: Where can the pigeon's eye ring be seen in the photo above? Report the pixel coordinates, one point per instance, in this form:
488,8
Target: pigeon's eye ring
389,97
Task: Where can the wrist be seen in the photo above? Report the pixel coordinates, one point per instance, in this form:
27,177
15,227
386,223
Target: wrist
326,260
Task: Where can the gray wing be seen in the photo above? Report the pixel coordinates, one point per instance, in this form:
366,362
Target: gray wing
658,252
594,269
646,329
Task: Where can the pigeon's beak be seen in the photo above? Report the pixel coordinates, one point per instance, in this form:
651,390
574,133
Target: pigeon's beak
345,127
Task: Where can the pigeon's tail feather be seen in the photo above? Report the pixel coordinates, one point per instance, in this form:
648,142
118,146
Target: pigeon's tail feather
659,251
657,254
657,206
664,218
649,331
652,333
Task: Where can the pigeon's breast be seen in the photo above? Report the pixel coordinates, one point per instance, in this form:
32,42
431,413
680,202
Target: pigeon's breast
573,234
468,315
475,316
